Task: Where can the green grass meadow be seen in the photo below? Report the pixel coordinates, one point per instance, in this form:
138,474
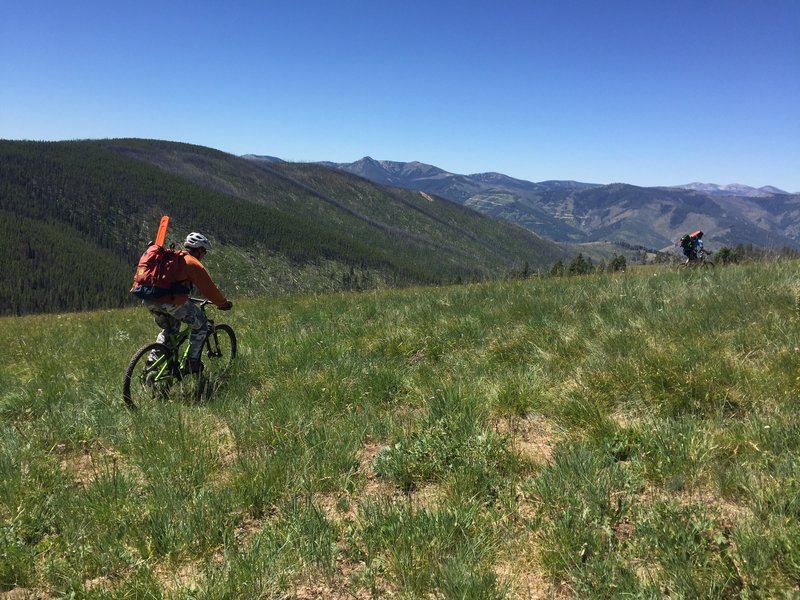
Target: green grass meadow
610,436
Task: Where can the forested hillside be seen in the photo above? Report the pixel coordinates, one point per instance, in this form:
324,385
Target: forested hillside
74,216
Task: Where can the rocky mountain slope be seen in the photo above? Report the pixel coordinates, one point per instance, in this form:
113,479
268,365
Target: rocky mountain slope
570,211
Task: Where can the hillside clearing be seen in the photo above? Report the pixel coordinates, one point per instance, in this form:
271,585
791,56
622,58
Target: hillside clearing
634,434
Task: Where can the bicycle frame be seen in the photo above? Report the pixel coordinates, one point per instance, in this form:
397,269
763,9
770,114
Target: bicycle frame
154,368
170,365
701,260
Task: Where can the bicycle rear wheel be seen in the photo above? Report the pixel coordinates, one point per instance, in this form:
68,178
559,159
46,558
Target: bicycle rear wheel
219,352
149,376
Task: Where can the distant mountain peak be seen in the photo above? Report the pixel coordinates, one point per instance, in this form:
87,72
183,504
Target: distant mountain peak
772,190
391,172
732,189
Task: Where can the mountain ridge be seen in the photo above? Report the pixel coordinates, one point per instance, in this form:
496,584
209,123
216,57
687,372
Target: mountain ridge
398,167
577,212
733,189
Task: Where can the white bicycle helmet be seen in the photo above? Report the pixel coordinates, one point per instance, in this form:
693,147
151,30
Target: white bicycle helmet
197,240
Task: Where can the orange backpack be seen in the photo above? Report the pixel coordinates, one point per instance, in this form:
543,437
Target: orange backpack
160,273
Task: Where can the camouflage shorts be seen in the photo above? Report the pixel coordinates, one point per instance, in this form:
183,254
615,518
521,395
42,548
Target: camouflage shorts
170,316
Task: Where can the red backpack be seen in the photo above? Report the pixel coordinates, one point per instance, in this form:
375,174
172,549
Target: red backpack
160,273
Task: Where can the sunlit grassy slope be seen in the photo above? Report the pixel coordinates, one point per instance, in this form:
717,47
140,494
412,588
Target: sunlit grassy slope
582,437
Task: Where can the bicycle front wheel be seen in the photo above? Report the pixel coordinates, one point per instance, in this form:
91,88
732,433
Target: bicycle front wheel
149,376
220,350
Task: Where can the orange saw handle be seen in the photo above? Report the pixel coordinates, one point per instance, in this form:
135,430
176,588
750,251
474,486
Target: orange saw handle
161,236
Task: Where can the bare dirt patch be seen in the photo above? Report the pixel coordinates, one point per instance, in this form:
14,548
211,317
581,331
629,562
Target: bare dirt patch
24,594
187,576
531,436
339,587
520,570
728,512
224,442
87,465
343,507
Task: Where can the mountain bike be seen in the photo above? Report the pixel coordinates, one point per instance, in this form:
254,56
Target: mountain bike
157,370
701,262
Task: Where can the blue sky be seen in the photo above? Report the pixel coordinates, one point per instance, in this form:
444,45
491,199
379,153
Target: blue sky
648,92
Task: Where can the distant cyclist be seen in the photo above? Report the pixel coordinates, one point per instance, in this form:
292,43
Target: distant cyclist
698,246
692,246
170,311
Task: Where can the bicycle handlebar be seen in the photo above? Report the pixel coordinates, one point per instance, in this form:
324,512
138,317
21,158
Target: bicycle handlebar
201,302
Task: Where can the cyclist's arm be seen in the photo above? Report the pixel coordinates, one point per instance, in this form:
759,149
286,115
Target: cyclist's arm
203,282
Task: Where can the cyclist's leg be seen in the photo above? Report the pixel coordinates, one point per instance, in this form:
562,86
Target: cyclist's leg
190,314
168,323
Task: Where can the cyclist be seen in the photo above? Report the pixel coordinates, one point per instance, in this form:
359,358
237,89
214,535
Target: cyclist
170,311
697,249
692,245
